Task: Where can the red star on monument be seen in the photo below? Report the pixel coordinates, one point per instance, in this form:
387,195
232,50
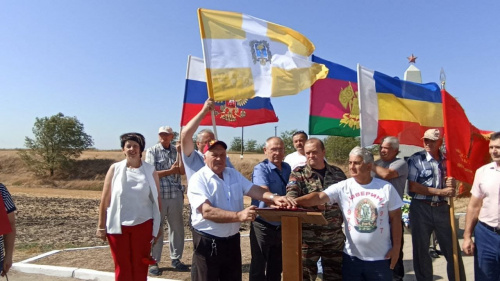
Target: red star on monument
412,59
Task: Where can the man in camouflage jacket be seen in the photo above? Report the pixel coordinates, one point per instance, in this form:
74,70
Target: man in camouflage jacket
325,241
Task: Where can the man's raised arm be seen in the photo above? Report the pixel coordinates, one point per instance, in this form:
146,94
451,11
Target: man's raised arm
188,131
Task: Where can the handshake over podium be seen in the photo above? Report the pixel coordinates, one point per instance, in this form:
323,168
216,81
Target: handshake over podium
291,235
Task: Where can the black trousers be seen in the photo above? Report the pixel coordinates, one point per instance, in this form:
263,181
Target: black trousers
216,258
265,244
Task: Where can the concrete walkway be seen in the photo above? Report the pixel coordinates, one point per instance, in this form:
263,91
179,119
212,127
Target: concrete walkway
25,271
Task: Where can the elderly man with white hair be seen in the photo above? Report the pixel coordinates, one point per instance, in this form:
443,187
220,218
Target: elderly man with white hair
429,210
372,212
394,170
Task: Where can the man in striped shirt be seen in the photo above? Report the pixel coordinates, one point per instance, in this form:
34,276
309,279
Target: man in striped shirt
429,211
166,159
7,229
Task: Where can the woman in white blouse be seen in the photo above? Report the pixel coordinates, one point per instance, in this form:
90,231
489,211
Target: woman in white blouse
129,213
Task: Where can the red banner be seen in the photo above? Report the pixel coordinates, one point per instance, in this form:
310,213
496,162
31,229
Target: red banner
466,146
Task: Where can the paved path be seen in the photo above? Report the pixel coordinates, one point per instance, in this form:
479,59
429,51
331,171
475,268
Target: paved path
439,265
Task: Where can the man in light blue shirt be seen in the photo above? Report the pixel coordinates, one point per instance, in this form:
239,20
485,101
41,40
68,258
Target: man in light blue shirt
265,237
193,159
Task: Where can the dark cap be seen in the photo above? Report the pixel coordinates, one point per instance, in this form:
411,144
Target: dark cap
213,143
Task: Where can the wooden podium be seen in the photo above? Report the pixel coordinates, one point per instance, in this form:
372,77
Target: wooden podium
291,236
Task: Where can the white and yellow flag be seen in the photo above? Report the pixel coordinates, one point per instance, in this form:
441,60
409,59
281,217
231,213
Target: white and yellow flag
248,57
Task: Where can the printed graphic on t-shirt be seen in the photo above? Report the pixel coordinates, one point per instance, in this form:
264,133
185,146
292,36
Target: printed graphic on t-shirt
366,216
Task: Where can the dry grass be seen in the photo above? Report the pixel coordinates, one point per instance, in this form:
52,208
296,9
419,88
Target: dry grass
87,173
89,170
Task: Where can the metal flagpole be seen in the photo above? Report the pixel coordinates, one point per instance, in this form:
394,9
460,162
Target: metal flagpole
241,155
454,239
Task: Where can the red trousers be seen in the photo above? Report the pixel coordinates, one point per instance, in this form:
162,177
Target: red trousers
129,248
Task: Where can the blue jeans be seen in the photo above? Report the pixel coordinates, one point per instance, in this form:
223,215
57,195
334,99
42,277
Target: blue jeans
487,254
354,269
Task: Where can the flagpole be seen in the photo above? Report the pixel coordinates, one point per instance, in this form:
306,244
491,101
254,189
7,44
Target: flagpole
207,72
448,173
358,74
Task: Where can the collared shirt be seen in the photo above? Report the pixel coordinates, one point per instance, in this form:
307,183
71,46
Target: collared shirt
427,171
226,194
163,159
487,187
195,162
9,207
401,167
267,174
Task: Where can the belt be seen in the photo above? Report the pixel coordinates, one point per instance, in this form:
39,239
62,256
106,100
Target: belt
433,204
210,236
268,225
494,229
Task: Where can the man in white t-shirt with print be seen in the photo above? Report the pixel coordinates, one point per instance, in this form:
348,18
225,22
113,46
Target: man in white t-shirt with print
372,212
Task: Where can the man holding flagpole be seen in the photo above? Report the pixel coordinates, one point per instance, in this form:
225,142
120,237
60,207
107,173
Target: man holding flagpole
193,160
429,210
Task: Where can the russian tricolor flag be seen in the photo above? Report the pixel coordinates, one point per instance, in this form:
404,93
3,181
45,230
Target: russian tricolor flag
232,113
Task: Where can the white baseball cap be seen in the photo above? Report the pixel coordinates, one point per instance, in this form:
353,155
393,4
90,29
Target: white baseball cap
165,129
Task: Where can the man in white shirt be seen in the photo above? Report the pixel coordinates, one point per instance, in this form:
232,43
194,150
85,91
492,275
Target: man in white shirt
216,197
483,217
297,158
372,214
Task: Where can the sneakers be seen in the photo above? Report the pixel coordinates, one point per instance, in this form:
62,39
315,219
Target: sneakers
154,270
177,264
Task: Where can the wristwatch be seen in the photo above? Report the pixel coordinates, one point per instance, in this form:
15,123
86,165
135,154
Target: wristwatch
272,196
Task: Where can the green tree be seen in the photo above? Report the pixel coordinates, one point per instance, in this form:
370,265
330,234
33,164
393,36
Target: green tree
251,146
338,148
286,136
58,141
235,144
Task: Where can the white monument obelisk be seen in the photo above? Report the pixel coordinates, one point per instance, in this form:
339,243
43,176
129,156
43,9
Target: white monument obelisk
412,74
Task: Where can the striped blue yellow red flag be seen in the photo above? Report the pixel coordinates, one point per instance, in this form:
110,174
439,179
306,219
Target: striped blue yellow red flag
392,107
247,57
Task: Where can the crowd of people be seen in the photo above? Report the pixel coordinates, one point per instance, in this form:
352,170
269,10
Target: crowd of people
363,237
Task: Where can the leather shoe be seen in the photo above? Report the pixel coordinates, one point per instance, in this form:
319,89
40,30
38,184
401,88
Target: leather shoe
154,270
433,253
177,264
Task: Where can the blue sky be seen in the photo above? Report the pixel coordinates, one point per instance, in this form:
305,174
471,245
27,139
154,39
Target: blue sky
120,65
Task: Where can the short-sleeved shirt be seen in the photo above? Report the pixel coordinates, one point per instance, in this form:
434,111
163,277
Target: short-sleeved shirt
487,187
267,174
401,167
195,161
366,211
163,159
427,171
226,194
9,207
295,160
